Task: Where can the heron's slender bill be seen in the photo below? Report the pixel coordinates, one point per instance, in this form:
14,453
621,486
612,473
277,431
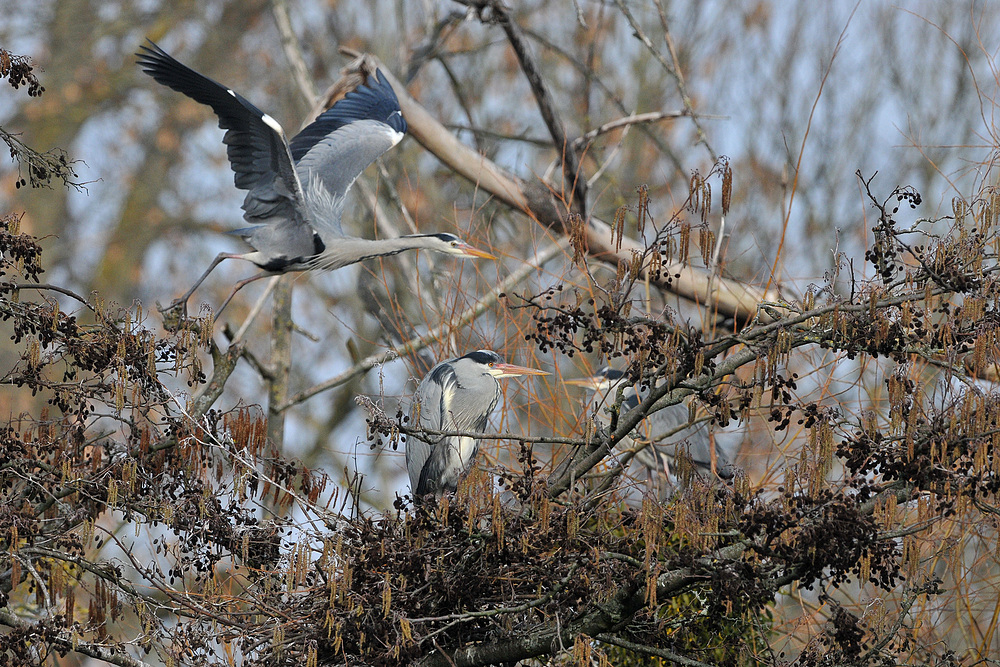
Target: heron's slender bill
592,382
510,370
475,252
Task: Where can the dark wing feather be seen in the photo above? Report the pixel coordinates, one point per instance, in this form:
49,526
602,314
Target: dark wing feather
333,151
375,100
256,145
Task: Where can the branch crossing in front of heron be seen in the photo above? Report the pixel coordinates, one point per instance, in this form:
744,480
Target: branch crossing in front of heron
456,395
663,432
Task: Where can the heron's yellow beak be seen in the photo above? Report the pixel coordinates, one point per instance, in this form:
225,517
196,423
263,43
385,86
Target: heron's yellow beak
592,382
510,370
472,251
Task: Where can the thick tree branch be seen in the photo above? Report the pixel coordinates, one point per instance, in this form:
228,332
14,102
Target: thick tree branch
223,364
281,360
728,298
546,105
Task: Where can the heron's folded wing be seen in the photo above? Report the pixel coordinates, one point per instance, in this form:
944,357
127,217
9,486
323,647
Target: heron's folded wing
256,145
417,453
431,400
696,436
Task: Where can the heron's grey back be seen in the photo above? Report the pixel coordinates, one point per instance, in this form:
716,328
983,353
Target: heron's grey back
668,430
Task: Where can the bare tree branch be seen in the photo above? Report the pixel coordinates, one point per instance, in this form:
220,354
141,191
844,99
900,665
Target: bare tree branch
572,174
673,69
88,649
729,298
435,334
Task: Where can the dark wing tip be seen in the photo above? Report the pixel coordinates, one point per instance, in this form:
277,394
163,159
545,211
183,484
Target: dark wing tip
254,141
170,72
373,100
150,47
150,56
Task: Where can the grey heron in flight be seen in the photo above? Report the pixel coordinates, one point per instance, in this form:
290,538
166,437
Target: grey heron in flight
296,190
665,430
456,395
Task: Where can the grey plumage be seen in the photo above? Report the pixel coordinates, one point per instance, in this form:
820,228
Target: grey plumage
296,190
456,395
667,430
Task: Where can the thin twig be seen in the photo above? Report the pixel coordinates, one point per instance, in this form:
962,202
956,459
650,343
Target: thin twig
546,104
469,615
588,73
802,146
636,119
293,51
420,342
255,310
651,650
673,69
54,288
678,73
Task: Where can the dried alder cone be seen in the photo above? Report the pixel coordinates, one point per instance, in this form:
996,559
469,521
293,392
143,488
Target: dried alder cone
41,167
18,71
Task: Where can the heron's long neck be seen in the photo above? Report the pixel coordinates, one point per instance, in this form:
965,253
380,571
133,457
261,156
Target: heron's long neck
349,250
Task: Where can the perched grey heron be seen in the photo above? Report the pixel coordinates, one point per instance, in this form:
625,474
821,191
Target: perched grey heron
665,430
296,190
456,395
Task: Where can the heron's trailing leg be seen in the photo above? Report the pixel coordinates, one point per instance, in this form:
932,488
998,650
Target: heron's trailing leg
182,300
240,286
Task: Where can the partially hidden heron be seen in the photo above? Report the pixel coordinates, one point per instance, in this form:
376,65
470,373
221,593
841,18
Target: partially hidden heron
456,395
296,190
665,430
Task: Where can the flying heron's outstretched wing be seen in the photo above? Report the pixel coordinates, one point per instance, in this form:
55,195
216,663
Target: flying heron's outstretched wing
332,151
256,146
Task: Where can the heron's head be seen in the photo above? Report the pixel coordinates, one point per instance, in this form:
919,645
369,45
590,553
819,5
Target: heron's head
450,244
493,364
